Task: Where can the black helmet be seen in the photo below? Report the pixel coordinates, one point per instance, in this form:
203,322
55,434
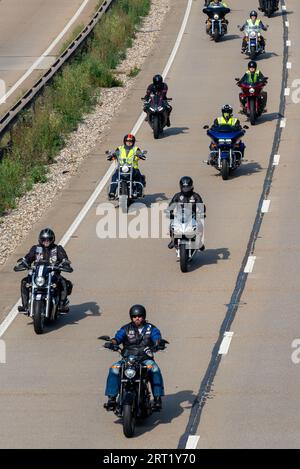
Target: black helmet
158,81
47,235
129,137
252,64
137,310
227,111
186,184
253,13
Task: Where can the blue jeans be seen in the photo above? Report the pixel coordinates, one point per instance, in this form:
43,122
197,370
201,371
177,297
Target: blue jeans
155,376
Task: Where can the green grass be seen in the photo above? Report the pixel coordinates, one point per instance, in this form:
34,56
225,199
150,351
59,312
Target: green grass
40,132
71,38
134,72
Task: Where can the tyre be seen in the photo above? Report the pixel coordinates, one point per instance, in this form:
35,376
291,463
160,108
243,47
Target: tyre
252,53
216,36
183,257
269,9
38,316
123,197
225,170
252,111
128,421
156,127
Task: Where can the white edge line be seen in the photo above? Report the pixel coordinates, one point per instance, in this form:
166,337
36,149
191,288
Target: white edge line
14,311
265,206
47,52
192,442
225,344
250,264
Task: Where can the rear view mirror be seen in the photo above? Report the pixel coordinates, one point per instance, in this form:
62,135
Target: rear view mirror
206,127
245,127
104,337
237,79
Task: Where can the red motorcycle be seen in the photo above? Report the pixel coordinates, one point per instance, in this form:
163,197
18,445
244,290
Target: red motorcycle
253,99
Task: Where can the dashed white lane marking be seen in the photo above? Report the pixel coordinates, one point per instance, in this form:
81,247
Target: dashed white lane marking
289,65
192,442
36,64
287,91
287,24
250,264
14,311
284,7
276,160
265,206
225,344
283,123
288,43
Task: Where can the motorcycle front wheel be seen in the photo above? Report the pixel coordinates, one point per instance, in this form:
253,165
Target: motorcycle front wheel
123,197
225,170
252,111
183,257
128,420
38,316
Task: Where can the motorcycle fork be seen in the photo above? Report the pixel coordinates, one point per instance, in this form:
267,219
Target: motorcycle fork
230,158
219,159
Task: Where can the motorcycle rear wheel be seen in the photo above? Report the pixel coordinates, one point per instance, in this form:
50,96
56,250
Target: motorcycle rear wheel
128,421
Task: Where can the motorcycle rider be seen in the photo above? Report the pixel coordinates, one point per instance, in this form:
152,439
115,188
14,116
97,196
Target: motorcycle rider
127,152
258,24
215,3
47,250
261,5
253,76
227,119
185,196
160,88
135,337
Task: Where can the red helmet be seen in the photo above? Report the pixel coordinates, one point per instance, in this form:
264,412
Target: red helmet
129,137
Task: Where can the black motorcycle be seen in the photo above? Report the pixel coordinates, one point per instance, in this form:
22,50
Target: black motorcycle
156,109
44,294
134,400
216,15
269,7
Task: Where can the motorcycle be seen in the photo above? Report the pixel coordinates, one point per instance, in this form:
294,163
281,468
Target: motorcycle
216,15
225,149
128,189
252,100
269,7
157,114
188,232
44,294
253,39
134,399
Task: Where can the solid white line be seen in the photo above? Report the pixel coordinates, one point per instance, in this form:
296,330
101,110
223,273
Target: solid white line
265,206
287,91
250,264
192,442
47,52
14,311
276,160
225,344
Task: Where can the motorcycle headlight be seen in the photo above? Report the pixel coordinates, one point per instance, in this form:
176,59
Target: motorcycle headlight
152,109
221,141
216,17
228,140
251,90
40,281
130,373
160,108
253,34
125,168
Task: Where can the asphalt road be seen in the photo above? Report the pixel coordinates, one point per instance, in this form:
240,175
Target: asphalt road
52,385
27,28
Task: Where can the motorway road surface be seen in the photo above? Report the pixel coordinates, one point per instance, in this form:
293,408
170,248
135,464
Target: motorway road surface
52,385
27,28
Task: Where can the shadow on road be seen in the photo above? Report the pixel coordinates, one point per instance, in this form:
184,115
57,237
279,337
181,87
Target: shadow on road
272,116
247,169
208,257
174,131
230,37
152,198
